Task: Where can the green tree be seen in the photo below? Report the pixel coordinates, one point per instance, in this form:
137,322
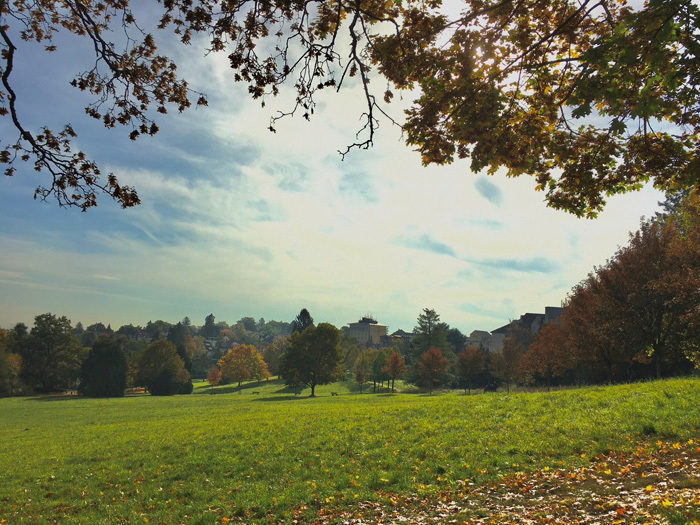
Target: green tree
128,330
379,375
51,354
10,367
103,373
272,353
363,366
430,333
313,357
179,335
302,321
456,338
161,370
210,330
158,330
201,362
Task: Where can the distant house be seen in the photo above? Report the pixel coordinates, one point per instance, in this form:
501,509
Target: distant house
400,337
479,338
367,331
531,321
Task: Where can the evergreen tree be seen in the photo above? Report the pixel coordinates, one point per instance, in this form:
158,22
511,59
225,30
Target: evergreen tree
302,321
103,373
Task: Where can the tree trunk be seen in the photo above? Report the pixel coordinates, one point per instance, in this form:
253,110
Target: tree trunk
658,364
313,390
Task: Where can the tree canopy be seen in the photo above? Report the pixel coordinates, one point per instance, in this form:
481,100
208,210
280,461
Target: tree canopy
162,370
591,98
51,354
640,308
313,357
103,373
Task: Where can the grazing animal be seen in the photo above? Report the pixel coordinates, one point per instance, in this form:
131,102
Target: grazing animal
491,387
334,393
255,393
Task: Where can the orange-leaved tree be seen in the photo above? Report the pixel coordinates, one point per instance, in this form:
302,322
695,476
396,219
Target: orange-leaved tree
470,363
242,363
549,355
433,368
214,377
395,367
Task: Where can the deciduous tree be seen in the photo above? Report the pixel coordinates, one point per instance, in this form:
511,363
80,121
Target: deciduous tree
51,354
161,370
470,363
363,366
210,330
214,377
550,355
10,367
643,303
395,368
313,358
506,364
433,368
242,363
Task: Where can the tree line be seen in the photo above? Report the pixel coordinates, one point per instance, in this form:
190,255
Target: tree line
99,361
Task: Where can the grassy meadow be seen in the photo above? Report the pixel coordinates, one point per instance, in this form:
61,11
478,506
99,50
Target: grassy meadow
267,456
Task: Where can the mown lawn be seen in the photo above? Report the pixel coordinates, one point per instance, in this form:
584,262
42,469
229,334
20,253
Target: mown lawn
262,457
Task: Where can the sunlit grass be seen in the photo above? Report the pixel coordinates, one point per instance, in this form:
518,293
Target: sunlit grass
202,457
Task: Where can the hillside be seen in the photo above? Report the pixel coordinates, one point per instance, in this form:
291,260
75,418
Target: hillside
271,456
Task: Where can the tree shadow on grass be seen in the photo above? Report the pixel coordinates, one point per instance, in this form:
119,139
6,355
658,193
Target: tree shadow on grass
56,397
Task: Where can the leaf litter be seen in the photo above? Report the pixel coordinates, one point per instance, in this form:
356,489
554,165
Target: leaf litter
656,483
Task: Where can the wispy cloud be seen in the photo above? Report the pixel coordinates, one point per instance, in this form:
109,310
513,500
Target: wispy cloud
531,265
106,277
489,191
358,184
498,312
427,243
489,224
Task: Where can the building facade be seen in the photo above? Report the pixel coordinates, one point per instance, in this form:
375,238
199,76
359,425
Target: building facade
367,331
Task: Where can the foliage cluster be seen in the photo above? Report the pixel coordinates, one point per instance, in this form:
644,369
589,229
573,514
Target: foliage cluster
241,364
637,315
589,98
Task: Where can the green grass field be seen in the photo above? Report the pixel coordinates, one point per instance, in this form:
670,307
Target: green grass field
262,457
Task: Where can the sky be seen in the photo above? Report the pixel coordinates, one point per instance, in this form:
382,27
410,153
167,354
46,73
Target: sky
238,221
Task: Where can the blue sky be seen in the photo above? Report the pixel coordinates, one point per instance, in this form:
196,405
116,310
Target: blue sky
240,222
